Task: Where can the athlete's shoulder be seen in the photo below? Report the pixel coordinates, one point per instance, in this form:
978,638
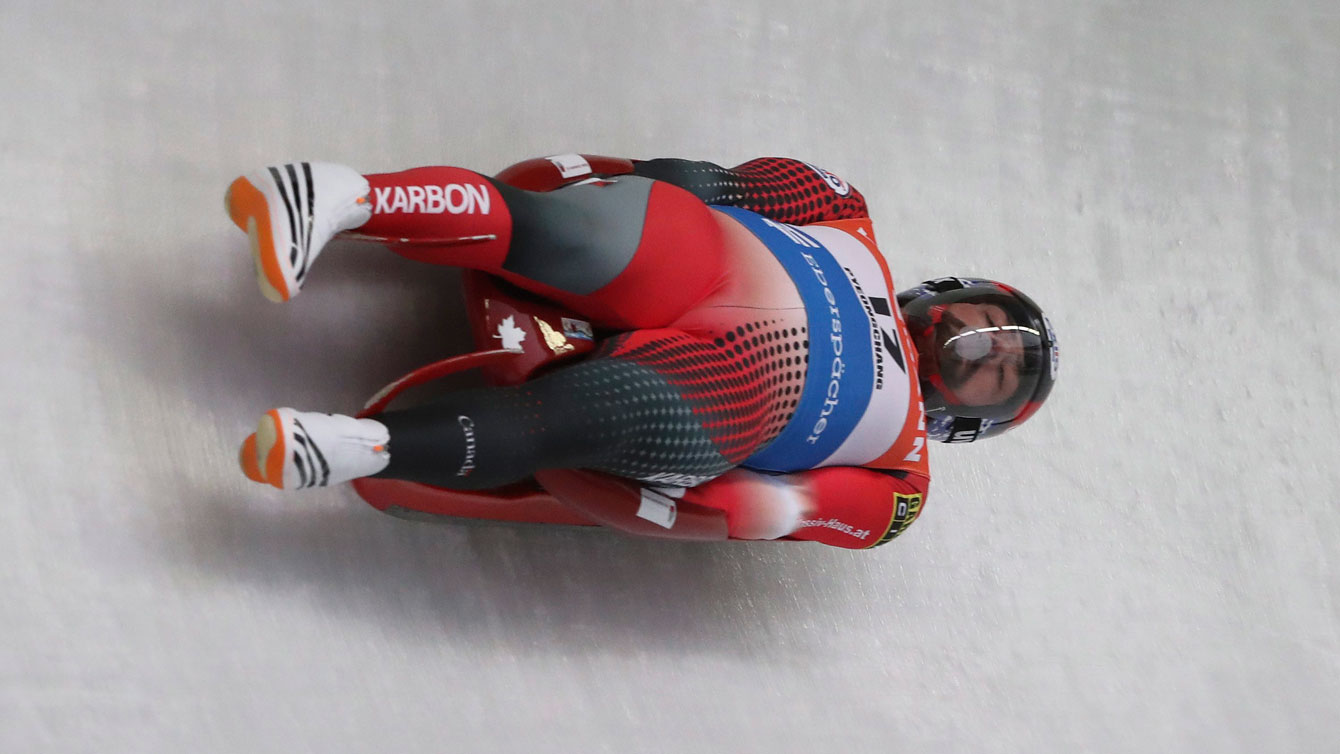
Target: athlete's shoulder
802,191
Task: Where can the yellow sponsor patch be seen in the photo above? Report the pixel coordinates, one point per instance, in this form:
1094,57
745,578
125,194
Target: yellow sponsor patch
905,510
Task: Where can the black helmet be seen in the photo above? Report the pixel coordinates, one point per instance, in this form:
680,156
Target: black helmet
948,417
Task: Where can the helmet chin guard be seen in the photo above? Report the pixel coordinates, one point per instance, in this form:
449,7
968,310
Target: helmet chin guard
947,349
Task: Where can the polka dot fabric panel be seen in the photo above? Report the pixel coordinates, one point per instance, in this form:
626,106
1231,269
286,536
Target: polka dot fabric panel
778,188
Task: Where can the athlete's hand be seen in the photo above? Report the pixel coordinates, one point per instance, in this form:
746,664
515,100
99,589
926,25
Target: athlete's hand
741,504
757,506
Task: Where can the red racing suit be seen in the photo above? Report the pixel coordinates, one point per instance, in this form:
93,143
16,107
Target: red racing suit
824,439
870,488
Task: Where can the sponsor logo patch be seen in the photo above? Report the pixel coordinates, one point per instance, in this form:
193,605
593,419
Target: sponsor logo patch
467,427
964,435
578,329
1056,349
557,341
906,509
839,186
676,480
453,198
835,525
570,165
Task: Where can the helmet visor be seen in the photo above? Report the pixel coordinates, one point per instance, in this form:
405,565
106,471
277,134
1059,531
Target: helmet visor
989,355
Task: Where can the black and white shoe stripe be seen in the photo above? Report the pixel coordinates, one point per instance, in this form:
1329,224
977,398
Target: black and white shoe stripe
299,205
313,471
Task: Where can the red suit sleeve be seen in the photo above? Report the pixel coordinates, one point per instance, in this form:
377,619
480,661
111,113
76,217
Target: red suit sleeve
549,173
858,508
779,188
842,506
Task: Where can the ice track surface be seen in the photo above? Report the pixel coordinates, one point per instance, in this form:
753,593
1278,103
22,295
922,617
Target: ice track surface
1150,566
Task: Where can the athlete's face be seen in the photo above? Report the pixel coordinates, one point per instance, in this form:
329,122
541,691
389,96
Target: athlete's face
980,354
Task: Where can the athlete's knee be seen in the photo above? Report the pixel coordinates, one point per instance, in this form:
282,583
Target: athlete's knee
576,239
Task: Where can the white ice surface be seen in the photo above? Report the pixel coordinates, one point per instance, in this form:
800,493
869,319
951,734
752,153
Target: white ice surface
1150,566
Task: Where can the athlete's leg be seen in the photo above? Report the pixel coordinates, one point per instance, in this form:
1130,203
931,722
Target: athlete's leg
606,414
730,371
658,405
668,404
627,253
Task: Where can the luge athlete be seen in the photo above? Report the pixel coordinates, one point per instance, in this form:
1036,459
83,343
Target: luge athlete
759,362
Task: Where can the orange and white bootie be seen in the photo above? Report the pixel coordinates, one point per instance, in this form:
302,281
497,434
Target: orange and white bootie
290,212
295,450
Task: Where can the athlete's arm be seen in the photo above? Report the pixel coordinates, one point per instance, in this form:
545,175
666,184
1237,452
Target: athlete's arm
858,508
781,189
843,506
549,173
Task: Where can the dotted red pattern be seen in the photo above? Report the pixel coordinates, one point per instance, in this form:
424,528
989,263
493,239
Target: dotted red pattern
743,386
792,192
